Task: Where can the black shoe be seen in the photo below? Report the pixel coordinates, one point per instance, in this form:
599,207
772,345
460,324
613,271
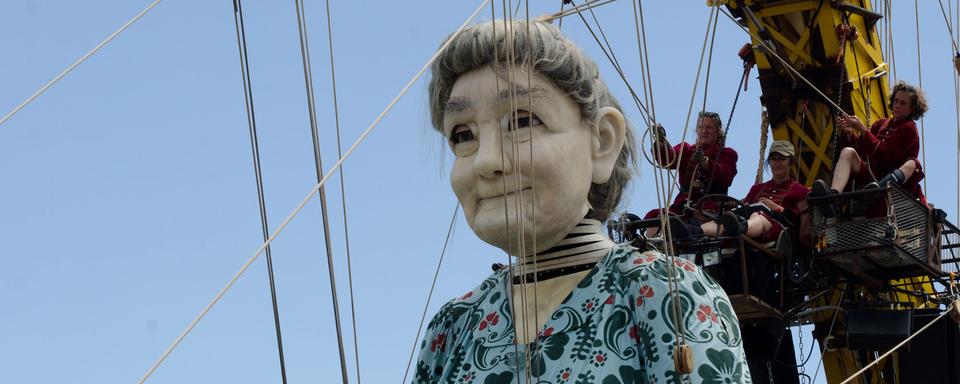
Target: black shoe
820,189
871,185
680,230
896,176
939,216
733,225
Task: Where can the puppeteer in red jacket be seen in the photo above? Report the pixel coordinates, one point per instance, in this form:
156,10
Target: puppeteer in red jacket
704,168
885,153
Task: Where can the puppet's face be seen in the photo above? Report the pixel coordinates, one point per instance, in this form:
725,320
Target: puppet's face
527,160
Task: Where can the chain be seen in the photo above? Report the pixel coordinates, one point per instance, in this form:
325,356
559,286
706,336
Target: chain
743,79
836,129
803,372
803,122
869,116
843,78
770,372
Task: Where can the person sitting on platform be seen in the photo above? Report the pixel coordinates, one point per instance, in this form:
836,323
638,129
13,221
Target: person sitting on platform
782,195
705,168
888,150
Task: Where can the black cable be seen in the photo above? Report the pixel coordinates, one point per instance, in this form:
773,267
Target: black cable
255,146
318,164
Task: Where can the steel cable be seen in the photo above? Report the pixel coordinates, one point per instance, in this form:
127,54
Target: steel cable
303,202
255,149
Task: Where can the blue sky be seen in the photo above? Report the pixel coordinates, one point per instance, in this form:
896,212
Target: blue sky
128,194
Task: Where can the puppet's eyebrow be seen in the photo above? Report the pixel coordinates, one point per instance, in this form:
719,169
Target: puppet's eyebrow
521,93
457,105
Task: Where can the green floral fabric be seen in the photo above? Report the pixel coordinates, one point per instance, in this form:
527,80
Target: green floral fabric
615,327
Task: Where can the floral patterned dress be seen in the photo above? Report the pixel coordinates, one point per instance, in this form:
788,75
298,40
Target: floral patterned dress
615,327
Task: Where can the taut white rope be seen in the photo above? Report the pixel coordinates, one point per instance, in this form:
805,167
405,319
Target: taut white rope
306,199
433,284
902,343
76,63
923,130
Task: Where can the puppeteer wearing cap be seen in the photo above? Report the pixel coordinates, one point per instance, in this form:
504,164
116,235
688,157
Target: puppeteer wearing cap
783,196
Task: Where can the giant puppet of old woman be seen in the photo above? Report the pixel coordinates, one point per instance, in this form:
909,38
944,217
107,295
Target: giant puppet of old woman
542,158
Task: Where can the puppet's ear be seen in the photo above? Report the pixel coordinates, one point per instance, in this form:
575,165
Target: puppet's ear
609,134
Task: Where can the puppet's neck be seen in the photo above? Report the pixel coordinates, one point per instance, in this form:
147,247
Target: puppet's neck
578,250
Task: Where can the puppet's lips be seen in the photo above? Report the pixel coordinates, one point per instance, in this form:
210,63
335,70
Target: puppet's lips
493,197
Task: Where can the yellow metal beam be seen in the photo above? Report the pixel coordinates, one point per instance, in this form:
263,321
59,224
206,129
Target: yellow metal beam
777,10
794,48
870,51
802,42
807,141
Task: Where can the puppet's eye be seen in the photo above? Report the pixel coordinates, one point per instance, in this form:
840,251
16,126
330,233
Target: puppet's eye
461,133
462,141
524,119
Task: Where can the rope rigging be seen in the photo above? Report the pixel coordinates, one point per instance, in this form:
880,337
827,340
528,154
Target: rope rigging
303,202
343,192
764,127
633,94
506,214
953,41
706,78
644,60
763,44
693,95
683,361
575,9
533,195
322,179
923,131
661,177
833,321
433,284
521,251
956,98
951,308
660,180
888,16
255,148
318,164
647,101
83,58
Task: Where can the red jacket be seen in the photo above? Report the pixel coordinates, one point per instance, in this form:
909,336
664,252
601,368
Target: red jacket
788,194
716,179
888,145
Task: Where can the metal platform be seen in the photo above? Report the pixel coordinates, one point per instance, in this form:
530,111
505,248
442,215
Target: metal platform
877,234
750,309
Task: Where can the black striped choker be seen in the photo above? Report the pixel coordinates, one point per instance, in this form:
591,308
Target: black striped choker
578,251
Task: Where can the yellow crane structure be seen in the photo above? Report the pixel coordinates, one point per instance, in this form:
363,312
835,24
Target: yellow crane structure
835,46
818,59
